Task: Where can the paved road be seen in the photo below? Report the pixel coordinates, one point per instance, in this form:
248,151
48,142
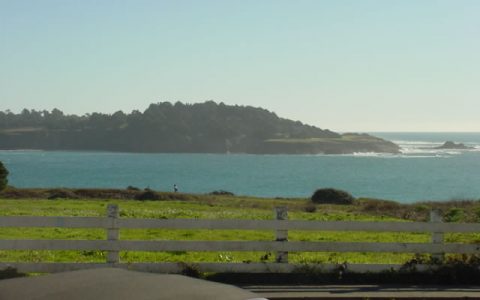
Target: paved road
117,284
365,292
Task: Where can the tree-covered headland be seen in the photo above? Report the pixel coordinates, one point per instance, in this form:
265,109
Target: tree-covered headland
178,128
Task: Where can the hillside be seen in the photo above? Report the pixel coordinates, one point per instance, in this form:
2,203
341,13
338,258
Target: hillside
179,128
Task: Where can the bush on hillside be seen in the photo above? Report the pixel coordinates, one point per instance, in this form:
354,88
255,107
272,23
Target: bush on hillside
310,207
222,193
332,196
3,177
62,194
132,188
105,193
148,195
455,214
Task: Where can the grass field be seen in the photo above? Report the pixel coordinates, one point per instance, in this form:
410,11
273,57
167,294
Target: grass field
221,207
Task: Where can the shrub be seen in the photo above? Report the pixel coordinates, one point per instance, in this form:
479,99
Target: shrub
62,194
148,195
310,207
132,188
190,270
477,214
454,215
422,208
332,196
105,193
222,193
3,177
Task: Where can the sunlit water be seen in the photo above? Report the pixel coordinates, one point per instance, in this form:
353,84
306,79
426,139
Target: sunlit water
419,173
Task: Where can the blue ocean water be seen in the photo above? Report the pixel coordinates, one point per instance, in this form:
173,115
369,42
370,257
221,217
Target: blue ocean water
419,173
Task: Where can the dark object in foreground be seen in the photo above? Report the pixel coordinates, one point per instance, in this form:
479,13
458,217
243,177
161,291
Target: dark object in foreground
111,283
10,273
377,292
332,196
443,275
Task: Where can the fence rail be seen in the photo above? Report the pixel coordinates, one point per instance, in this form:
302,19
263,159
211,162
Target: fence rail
237,246
112,244
99,222
102,222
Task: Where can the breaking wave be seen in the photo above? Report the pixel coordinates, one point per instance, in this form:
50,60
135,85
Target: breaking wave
421,149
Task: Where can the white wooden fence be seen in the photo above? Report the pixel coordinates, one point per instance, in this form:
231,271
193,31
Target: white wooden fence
112,245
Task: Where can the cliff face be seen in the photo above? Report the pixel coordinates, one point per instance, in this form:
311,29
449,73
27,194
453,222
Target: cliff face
164,127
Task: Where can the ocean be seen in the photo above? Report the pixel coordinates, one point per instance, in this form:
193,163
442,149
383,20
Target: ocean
419,173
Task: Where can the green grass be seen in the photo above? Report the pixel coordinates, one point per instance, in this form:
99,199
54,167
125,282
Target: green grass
205,207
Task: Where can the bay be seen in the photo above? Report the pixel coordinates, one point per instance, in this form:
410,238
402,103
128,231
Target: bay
419,173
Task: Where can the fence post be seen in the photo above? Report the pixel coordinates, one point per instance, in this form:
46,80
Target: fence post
281,213
112,232
437,236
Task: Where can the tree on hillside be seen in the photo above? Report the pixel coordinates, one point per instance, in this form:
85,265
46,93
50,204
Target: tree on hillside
3,176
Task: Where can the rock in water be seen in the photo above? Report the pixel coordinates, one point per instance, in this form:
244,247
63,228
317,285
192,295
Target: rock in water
452,145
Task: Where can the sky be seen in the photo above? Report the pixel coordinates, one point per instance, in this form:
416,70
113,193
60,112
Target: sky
344,65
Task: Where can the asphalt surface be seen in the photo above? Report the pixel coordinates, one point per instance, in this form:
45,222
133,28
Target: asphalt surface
118,284
111,283
366,292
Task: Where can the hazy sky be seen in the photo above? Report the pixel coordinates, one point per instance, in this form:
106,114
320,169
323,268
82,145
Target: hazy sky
344,65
